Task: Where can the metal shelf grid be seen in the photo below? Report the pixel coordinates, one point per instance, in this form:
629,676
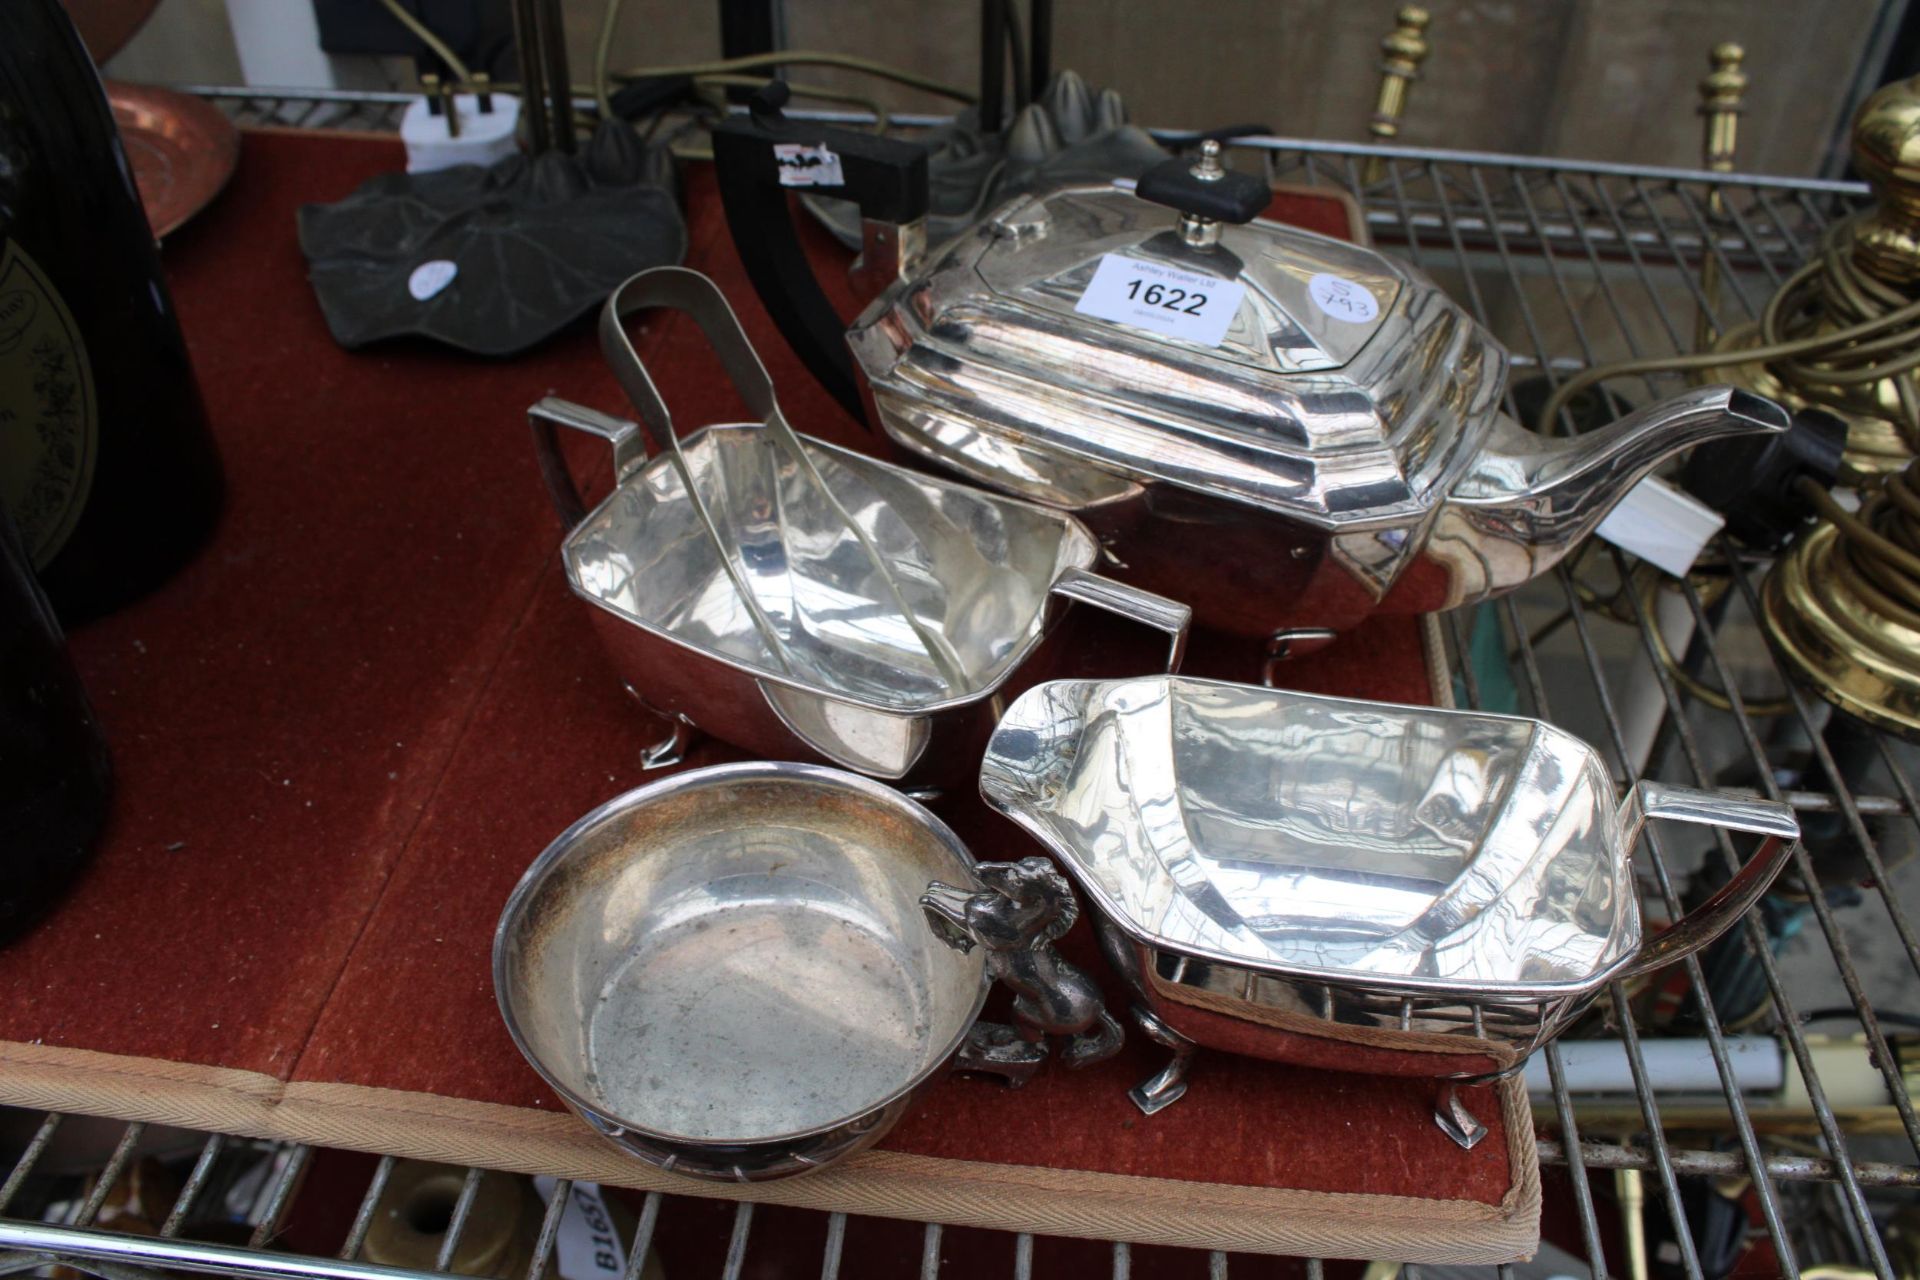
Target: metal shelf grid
1570,264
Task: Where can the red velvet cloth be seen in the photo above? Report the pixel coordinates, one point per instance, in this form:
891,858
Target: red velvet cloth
345,730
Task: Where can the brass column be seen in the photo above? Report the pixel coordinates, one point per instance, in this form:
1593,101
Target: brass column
1720,94
1401,53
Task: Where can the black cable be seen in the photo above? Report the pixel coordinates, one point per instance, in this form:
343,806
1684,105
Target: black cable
1880,1015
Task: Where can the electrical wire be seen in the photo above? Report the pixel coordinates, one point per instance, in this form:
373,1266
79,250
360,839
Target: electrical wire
424,34
602,46
881,119
1878,340
1758,708
1880,561
802,58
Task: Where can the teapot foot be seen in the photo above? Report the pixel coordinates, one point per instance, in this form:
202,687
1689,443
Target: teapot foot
993,1048
1295,642
673,748
1454,1119
1168,1085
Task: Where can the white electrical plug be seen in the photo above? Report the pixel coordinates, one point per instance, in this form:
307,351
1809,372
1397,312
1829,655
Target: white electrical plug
482,137
1662,524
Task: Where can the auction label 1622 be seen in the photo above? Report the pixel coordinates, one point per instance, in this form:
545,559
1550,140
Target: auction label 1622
1163,299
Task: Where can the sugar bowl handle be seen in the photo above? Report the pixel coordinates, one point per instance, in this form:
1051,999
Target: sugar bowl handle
1135,605
552,413
1706,922
1015,912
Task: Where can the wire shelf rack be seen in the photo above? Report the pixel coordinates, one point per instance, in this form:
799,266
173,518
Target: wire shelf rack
1570,264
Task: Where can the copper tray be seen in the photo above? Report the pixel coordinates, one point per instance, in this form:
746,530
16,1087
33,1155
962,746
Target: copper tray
181,148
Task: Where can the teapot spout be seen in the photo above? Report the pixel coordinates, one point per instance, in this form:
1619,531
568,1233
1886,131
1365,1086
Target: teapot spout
1530,499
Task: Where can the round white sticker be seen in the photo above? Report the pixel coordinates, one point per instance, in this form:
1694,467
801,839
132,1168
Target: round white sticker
1343,299
430,278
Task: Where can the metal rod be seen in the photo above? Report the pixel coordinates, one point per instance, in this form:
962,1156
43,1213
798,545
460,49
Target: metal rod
993,64
836,1242
103,1182
553,48
643,1235
190,1190
533,93
457,1225
1039,45
549,1233
187,1255
1728,1164
22,1167
737,1242
930,1252
363,1217
281,1198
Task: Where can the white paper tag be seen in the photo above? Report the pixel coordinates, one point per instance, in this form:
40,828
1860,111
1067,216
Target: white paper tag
588,1246
805,166
1154,296
1662,525
1343,299
430,278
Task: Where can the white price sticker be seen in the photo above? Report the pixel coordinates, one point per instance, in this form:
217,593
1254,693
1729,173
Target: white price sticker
1343,299
805,166
429,278
1152,295
588,1245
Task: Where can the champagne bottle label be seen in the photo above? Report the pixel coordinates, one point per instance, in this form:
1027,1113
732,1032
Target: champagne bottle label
49,415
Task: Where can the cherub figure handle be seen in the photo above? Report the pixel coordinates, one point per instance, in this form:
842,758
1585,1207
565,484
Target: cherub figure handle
1015,914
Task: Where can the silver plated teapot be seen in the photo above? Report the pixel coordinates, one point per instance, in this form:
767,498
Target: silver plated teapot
1285,431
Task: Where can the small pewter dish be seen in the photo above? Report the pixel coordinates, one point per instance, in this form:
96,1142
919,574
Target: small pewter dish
804,601
1353,885
750,971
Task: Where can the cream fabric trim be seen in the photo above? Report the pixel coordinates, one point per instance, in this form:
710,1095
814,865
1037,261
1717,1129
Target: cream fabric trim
881,1183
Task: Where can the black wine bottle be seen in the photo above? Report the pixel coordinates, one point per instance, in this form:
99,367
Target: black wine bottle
54,775
105,458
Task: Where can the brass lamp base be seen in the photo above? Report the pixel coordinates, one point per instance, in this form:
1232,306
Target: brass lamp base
1874,445
1833,643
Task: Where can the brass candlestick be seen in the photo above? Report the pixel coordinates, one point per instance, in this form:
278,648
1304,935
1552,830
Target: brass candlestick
1869,270
1401,53
1842,606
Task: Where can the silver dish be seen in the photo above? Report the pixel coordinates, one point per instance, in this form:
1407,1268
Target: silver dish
813,603
1396,890
1340,451
751,971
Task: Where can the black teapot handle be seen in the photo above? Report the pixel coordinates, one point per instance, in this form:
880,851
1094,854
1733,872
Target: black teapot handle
761,157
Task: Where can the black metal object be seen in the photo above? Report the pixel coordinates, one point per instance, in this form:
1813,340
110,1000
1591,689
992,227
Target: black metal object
1039,44
1232,197
993,64
1752,481
749,28
885,177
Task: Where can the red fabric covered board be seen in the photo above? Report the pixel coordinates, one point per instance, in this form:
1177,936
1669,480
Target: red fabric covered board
345,730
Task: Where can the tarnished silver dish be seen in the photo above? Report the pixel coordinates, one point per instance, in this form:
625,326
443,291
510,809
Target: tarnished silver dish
1286,431
753,970
802,600
1354,885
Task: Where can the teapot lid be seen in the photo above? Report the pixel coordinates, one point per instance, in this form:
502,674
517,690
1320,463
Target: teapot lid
1260,362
